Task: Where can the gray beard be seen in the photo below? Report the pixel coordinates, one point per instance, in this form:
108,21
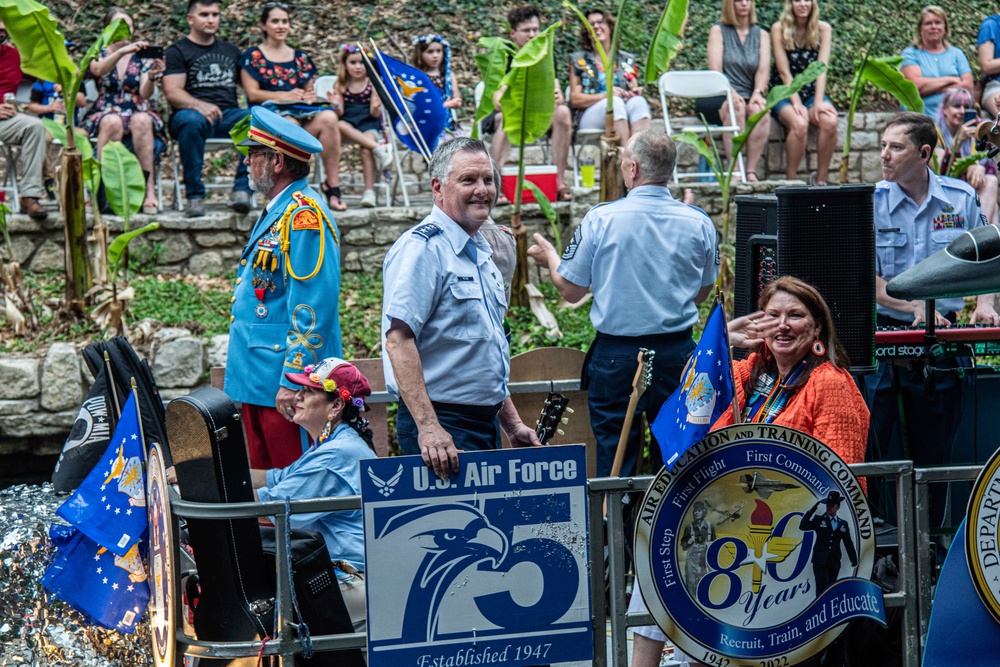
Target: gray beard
264,184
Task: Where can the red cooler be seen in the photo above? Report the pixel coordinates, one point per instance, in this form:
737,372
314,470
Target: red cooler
544,176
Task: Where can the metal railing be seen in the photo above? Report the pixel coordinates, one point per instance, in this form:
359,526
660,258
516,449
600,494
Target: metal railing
915,568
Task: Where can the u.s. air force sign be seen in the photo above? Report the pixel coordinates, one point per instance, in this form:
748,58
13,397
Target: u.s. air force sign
755,548
490,567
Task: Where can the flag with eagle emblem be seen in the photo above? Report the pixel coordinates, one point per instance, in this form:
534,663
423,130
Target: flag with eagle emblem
412,100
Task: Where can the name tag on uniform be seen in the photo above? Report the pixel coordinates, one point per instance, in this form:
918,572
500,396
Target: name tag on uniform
466,279
884,230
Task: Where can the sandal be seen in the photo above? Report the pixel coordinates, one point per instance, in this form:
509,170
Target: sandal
564,194
332,192
150,207
752,177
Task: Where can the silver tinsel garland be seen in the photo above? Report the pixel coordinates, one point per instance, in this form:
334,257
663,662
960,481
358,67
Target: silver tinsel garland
35,627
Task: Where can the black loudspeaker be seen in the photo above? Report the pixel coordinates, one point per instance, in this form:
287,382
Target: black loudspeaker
756,249
826,237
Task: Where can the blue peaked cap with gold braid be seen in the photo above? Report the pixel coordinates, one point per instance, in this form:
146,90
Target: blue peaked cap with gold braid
271,130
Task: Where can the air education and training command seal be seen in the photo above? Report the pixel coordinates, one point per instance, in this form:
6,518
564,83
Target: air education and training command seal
981,547
730,546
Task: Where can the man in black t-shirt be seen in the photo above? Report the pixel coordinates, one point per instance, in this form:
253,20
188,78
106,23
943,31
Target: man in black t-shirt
200,84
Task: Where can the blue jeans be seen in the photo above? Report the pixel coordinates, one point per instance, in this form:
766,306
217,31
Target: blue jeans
609,373
190,129
470,433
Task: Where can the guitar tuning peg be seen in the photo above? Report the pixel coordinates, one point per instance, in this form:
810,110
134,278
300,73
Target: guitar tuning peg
564,420
538,422
560,431
569,410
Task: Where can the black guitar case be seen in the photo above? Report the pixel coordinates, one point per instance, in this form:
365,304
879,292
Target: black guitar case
237,580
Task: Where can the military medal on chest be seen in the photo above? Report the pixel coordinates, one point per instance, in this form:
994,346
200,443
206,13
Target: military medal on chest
265,263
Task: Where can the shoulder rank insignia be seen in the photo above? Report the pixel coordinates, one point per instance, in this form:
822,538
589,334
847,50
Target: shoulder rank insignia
305,218
426,231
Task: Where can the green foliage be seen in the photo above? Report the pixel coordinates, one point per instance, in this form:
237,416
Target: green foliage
179,303
121,241
239,132
527,333
360,315
528,102
666,40
124,182
546,208
959,166
492,67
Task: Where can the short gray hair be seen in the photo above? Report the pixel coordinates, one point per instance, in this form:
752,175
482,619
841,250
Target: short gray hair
656,154
441,159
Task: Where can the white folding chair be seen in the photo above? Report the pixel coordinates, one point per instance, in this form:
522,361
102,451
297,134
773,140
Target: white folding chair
698,84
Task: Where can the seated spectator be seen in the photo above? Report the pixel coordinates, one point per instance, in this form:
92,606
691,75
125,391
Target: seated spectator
989,61
360,110
587,96
200,85
432,56
122,111
932,64
329,407
736,49
957,136
46,101
798,39
22,130
525,24
278,76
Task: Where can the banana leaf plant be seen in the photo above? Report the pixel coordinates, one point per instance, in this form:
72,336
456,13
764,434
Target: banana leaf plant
527,105
492,67
883,73
125,187
955,168
42,47
666,40
611,143
711,153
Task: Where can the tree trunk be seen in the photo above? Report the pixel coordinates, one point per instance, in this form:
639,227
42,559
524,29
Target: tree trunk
519,284
611,160
78,278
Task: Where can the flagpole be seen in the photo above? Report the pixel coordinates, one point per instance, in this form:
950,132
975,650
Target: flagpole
138,418
418,138
114,387
721,303
399,114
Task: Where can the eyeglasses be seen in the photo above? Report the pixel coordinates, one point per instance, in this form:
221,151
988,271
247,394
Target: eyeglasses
254,152
276,5
597,22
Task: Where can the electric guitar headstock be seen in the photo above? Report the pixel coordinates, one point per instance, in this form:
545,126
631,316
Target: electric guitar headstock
988,137
552,416
644,373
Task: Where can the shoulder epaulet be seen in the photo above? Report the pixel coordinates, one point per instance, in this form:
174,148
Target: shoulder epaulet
427,230
304,212
957,184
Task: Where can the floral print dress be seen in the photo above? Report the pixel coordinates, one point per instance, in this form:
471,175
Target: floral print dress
282,77
590,71
120,95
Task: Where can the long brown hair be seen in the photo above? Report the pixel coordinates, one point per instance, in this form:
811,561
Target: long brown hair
787,21
813,301
586,43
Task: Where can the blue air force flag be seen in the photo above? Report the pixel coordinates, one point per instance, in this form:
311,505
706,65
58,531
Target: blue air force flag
706,390
403,88
109,506
109,590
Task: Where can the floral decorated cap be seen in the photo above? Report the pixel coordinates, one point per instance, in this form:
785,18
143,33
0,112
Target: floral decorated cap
335,375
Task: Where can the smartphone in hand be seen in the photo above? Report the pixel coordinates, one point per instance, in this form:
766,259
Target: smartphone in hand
150,52
970,114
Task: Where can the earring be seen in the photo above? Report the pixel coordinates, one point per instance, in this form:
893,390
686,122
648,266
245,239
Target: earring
818,348
326,430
